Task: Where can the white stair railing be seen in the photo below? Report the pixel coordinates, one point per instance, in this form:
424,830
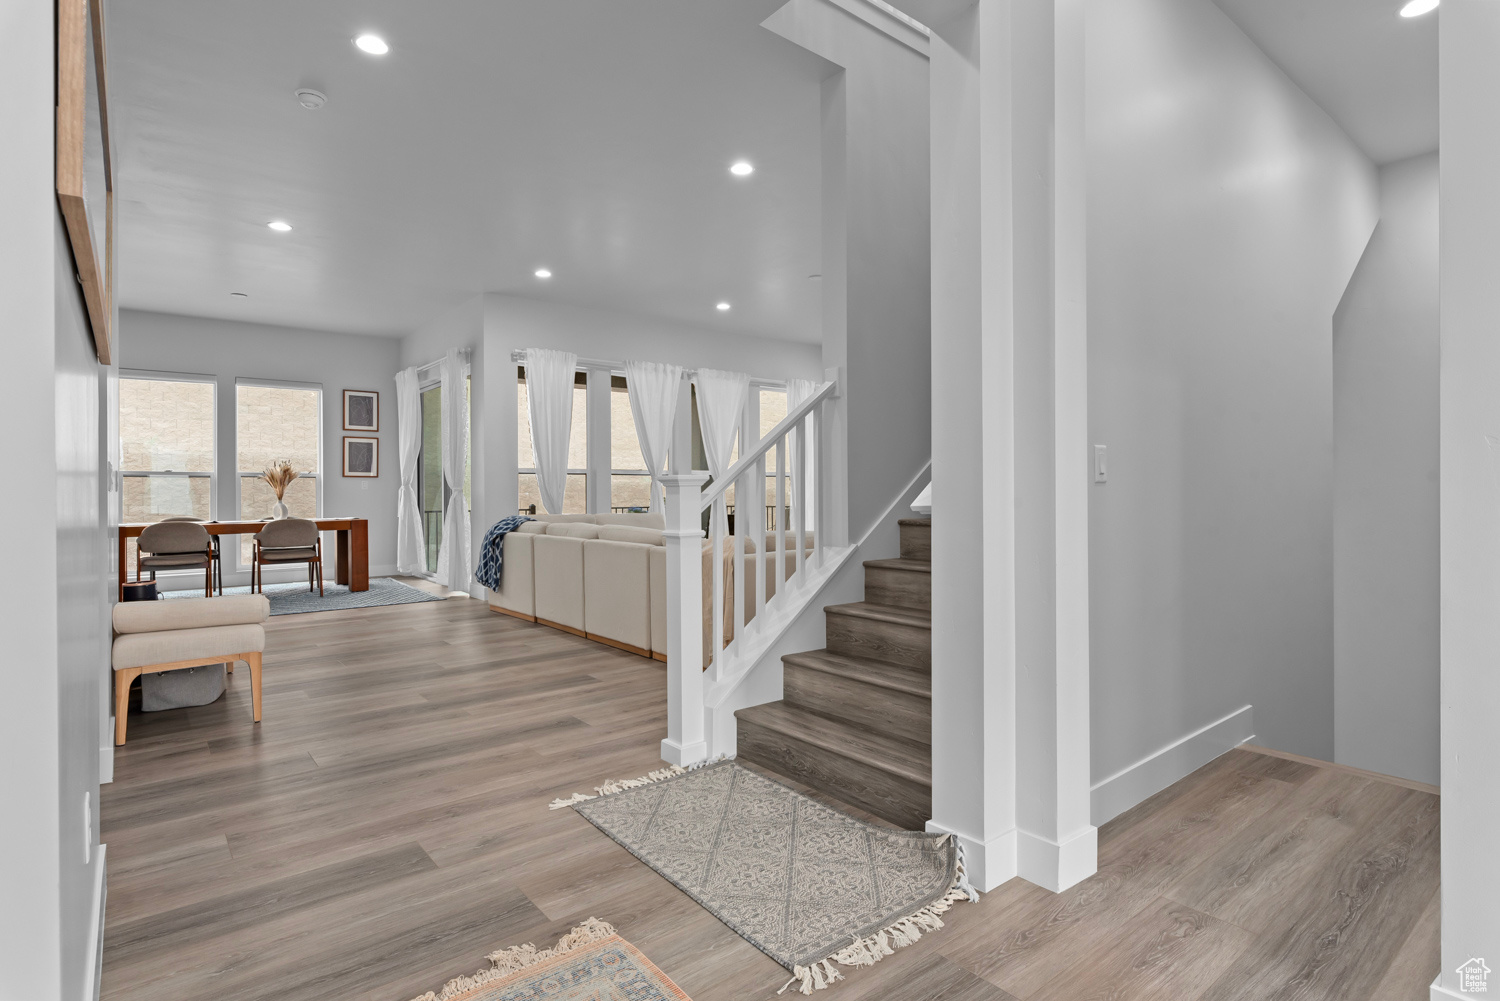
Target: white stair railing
779,575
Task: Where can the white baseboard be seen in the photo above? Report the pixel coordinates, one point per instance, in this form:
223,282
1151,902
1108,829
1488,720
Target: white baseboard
107,763
94,971
1153,773
1057,865
674,753
986,863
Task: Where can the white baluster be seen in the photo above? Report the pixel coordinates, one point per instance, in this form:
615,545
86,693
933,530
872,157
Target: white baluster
780,520
820,522
740,534
685,742
717,522
799,490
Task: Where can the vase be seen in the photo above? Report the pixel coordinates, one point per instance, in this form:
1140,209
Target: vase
278,510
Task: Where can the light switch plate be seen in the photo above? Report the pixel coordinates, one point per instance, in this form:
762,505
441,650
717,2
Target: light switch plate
1101,464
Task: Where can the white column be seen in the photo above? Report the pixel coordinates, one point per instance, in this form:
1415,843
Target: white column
1469,487
1010,607
686,741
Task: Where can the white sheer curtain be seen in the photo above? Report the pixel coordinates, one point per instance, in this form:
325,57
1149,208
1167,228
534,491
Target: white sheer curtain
454,569
653,389
549,399
721,403
410,558
797,391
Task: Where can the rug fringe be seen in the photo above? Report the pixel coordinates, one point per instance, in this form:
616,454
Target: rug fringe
507,961
902,932
621,785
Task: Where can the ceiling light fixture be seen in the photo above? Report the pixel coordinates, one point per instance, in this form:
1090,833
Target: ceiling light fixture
723,307
543,273
279,226
240,295
373,44
312,100
1416,8
742,168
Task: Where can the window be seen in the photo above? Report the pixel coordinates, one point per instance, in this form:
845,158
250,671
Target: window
772,413
575,493
630,483
166,449
272,423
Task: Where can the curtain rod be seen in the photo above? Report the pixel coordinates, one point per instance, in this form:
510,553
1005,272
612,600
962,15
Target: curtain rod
466,354
518,357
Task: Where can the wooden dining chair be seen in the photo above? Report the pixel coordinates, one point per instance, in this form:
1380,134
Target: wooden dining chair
176,545
217,551
290,540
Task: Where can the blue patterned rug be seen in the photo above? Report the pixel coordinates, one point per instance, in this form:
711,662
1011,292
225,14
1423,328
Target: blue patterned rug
590,963
292,598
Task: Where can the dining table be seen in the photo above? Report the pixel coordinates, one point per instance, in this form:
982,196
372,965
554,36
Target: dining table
351,549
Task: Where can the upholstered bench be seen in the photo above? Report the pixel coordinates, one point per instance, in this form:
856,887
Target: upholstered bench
156,636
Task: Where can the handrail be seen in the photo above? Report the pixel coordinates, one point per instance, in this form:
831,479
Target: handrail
768,442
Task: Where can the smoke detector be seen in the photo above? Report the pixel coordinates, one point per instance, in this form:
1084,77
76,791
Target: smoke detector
312,100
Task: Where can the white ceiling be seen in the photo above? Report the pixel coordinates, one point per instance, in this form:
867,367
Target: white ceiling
592,137
1373,71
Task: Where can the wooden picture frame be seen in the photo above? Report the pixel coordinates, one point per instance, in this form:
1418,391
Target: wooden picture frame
85,168
361,457
366,410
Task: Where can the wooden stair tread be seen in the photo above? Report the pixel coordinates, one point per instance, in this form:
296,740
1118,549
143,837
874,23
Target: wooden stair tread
914,566
883,613
918,522
906,759
871,672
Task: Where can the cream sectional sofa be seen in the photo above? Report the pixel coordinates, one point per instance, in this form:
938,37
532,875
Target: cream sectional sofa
604,576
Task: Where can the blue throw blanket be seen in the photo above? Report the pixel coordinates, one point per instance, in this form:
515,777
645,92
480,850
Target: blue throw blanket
492,550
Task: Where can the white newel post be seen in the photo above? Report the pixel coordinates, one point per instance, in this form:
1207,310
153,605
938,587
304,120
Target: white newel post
685,741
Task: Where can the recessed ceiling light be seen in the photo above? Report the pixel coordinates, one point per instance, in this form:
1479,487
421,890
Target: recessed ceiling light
742,168
723,307
373,44
543,273
1416,8
280,227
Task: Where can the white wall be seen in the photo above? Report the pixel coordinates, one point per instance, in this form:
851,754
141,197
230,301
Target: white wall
1469,484
513,322
1226,215
1385,549
876,243
54,609
227,350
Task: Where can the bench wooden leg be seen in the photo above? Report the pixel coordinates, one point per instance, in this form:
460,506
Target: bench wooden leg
123,678
253,659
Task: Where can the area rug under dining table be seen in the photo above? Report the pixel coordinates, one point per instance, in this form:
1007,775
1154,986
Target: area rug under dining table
808,885
293,598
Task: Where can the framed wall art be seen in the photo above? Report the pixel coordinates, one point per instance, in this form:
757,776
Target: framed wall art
361,410
361,457
85,173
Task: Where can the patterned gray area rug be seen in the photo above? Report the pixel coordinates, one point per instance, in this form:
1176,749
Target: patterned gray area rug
809,886
292,598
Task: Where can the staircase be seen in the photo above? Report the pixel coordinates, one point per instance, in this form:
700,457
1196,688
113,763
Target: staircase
855,720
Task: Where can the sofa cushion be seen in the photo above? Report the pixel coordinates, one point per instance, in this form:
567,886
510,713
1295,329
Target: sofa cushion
532,528
617,592
557,574
190,613
631,533
574,530
564,519
169,646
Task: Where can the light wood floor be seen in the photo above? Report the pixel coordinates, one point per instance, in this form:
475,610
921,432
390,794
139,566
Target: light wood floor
386,826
